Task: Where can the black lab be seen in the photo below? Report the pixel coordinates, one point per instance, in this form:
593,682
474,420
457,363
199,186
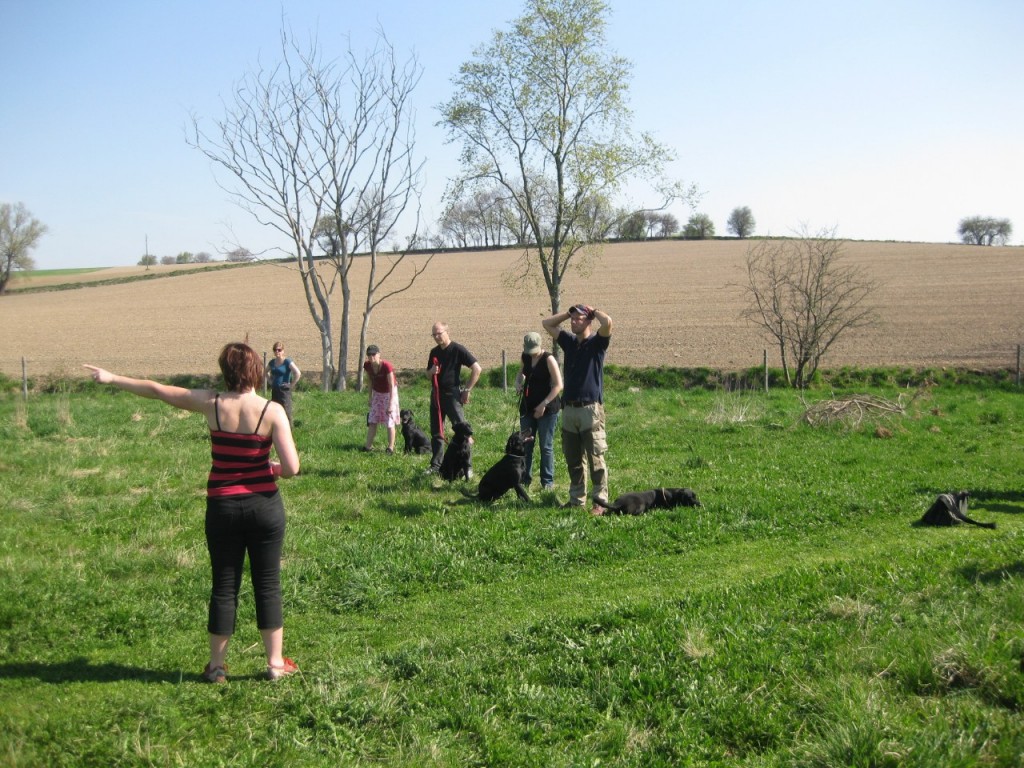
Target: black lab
950,509
457,461
508,473
416,440
642,501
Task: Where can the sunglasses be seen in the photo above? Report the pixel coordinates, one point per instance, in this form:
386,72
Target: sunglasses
279,350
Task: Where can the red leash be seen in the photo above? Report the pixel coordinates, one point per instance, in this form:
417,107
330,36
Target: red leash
437,399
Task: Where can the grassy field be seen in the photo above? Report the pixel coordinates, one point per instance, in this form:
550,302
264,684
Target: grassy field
796,619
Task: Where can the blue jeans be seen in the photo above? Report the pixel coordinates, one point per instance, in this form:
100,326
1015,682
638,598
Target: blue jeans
543,433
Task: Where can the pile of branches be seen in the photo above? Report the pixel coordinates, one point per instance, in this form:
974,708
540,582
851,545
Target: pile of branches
852,410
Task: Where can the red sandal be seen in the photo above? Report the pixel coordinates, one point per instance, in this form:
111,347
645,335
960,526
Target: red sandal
289,667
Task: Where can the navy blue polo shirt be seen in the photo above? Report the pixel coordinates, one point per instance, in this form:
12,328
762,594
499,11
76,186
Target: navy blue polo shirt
584,366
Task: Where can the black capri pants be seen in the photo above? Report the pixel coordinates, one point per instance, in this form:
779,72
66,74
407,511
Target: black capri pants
235,525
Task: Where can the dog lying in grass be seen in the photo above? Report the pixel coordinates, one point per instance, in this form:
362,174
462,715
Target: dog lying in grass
950,509
643,501
458,456
507,473
416,440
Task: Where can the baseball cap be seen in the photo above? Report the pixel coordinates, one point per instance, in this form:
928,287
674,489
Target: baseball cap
531,342
581,309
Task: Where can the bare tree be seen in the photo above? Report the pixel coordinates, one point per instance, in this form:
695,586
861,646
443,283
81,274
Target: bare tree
985,230
805,298
322,151
741,222
239,255
19,235
663,225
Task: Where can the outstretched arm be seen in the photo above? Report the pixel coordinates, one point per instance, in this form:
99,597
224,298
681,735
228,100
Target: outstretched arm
179,397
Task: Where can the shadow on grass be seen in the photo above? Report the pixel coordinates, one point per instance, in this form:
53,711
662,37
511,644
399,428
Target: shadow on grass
990,500
81,670
324,472
973,573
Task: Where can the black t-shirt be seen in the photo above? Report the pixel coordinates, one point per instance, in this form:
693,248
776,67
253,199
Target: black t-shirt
584,366
451,359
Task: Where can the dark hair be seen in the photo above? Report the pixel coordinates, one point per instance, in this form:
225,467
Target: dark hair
240,366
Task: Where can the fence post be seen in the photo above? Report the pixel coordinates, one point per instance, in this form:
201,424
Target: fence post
765,357
504,373
24,378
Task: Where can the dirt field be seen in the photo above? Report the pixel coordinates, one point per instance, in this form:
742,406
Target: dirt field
674,303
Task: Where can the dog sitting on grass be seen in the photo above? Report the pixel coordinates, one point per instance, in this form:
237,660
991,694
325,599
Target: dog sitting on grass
643,501
416,440
458,456
507,473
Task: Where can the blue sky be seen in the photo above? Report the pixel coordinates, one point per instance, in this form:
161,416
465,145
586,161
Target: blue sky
885,119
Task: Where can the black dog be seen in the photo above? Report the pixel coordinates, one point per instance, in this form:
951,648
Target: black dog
642,501
950,509
457,461
508,473
416,440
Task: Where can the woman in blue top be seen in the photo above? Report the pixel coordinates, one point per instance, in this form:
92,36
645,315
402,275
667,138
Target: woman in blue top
283,374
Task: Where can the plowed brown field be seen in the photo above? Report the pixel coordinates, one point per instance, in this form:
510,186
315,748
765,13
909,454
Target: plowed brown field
674,303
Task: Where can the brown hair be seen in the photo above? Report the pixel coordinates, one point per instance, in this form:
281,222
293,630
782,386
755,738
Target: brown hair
240,366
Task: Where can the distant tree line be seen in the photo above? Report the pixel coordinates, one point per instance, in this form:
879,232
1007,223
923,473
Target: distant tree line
488,219
237,255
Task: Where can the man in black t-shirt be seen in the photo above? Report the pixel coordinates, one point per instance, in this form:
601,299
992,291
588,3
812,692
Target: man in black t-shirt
444,366
583,434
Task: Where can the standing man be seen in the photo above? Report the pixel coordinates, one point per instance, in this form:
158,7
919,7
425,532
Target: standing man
444,366
583,435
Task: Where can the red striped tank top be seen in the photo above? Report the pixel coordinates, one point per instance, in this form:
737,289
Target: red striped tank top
241,463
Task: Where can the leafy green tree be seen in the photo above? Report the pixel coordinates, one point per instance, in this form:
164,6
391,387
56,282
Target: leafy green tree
147,260
985,230
185,257
634,226
805,298
741,222
699,227
19,235
541,112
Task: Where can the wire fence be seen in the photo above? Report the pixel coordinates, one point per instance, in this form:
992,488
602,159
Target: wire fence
46,373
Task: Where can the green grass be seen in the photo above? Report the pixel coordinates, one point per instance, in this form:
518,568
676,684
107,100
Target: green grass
796,619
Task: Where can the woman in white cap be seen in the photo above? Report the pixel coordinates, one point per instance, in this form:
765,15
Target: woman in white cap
539,382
